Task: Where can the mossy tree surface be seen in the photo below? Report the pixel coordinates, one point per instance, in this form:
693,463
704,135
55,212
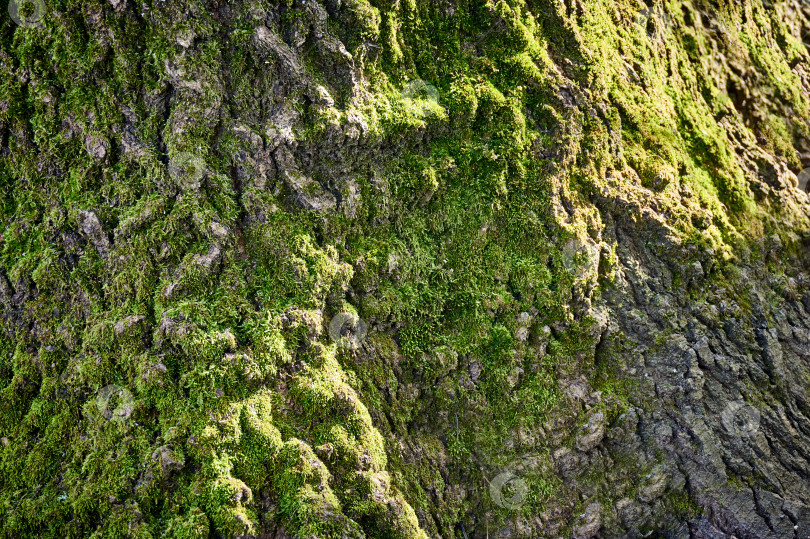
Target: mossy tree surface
203,298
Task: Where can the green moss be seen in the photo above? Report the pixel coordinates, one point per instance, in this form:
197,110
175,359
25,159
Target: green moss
683,506
229,366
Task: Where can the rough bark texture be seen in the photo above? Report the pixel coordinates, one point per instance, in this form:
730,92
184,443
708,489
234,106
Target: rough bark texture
405,268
